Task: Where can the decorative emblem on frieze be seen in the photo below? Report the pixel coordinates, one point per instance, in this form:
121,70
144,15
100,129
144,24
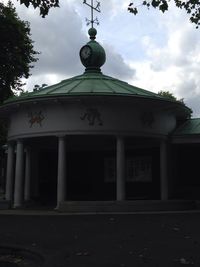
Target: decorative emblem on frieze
93,116
147,119
35,118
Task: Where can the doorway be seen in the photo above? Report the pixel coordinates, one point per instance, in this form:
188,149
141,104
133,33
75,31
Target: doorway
86,179
47,177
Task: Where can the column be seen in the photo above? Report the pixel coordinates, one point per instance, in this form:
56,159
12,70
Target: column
120,169
61,182
10,172
27,189
19,175
163,170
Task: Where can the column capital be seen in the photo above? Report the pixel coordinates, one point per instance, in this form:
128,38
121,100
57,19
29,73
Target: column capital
20,140
27,149
119,136
61,136
164,139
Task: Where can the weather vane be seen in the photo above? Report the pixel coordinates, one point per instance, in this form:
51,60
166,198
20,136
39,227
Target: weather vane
97,8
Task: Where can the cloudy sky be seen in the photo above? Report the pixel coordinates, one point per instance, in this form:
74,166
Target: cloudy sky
151,50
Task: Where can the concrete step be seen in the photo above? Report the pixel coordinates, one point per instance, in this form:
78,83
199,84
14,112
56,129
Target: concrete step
126,206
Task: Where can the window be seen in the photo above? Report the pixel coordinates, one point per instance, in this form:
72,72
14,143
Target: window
138,169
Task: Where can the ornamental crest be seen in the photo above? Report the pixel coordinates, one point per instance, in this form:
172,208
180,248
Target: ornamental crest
35,118
93,116
147,119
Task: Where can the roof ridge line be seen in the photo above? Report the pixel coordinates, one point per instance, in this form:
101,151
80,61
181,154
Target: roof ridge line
104,81
58,85
74,87
115,81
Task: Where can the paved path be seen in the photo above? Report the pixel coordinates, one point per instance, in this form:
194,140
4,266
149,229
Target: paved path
115,240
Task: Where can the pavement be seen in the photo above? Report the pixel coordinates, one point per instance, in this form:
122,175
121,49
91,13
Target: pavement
153,239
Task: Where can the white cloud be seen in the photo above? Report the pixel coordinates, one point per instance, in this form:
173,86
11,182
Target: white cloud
116,66
174,65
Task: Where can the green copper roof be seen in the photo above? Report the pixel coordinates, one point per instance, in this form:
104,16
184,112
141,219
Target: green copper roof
88,84
189,127
93,84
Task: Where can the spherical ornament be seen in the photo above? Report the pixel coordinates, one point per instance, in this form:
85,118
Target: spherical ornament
92,33
92,54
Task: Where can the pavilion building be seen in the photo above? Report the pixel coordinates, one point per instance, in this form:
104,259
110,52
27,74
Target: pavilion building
96,138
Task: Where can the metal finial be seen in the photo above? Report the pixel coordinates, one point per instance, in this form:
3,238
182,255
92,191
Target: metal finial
97,8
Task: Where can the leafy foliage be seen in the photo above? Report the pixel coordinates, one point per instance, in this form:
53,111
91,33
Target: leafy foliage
43,5
192,7
16,51
169,95
16,56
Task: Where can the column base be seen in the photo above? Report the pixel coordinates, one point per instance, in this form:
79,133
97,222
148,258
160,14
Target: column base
57,208
18,207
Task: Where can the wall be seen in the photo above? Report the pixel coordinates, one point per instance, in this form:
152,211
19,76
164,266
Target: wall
90,117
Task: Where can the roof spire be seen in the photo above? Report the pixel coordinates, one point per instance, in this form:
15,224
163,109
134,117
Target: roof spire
97,8
92,54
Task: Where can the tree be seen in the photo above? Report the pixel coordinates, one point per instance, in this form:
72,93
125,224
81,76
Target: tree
43,5
192,7
169,95
16,51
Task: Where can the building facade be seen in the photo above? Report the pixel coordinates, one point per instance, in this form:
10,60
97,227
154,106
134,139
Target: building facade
96,138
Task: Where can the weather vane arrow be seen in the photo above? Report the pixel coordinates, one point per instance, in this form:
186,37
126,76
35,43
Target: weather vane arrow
96,8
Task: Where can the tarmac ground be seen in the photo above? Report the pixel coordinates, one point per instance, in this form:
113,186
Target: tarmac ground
167,239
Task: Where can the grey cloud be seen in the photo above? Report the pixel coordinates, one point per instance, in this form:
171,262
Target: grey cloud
166,60
116,66
189,90
189,41
194,103
186,42
59,38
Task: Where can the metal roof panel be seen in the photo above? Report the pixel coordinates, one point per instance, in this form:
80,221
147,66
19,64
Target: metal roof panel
189,127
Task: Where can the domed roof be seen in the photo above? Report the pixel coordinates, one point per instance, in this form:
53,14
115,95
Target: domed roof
94,84
88,84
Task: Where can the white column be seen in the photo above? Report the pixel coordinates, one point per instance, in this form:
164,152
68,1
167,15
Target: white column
27,189
19,175
120,169
163,171
10,172
61,182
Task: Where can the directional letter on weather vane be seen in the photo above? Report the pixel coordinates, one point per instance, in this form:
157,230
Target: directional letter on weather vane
97,8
